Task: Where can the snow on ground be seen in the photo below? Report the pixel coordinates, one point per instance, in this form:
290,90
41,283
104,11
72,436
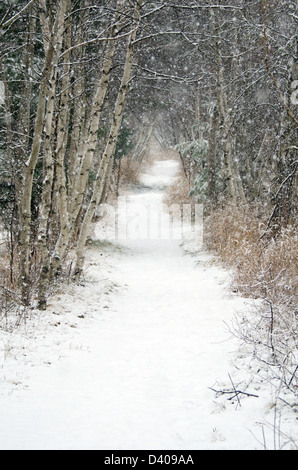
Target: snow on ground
127,358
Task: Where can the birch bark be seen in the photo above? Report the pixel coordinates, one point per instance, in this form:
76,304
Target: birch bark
83,144
81,178
46,200
25,198
103,171
60,151
26,193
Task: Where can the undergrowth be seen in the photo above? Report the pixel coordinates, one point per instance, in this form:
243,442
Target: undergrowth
266,269
263,268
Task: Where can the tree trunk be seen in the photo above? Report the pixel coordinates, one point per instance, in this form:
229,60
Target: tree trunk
232,180
212,156
81,179
110,146
46,201
61,144
25,200
26,194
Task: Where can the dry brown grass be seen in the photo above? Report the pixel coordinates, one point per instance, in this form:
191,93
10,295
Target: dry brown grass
267,270
9,299
4,266
178,193
130,171
262,268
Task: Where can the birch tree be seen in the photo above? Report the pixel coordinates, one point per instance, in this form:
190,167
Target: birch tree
103,172
25,200
71,200
89,145
48,158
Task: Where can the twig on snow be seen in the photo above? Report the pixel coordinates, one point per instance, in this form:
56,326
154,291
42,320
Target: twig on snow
234,392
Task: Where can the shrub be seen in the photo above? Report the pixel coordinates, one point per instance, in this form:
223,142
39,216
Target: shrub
263,269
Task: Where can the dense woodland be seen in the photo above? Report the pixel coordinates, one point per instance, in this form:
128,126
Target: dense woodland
84,87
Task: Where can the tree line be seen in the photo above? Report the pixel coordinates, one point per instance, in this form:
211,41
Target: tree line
66,69
217,80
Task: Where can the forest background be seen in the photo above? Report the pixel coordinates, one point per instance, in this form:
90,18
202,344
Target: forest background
85,87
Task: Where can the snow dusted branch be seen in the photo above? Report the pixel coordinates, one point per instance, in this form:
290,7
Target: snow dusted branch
95,40
157,75
9,22
205,7
234,392
11,293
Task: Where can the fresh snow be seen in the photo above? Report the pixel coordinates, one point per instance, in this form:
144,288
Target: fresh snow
127,358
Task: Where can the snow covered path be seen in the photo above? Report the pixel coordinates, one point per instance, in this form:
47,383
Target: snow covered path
130,369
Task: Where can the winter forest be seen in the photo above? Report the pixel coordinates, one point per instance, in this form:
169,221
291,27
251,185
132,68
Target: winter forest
92,94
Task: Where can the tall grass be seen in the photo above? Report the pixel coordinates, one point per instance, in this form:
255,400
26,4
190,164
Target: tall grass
263,267
266,269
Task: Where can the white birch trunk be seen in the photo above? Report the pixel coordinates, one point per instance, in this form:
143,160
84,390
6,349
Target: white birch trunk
26,195
78,126
62,136
89,143
45,26
46,201
110,146
81,178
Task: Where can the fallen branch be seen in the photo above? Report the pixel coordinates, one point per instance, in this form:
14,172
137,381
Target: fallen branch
234,392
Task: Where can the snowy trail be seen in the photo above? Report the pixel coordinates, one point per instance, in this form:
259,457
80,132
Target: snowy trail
135,374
